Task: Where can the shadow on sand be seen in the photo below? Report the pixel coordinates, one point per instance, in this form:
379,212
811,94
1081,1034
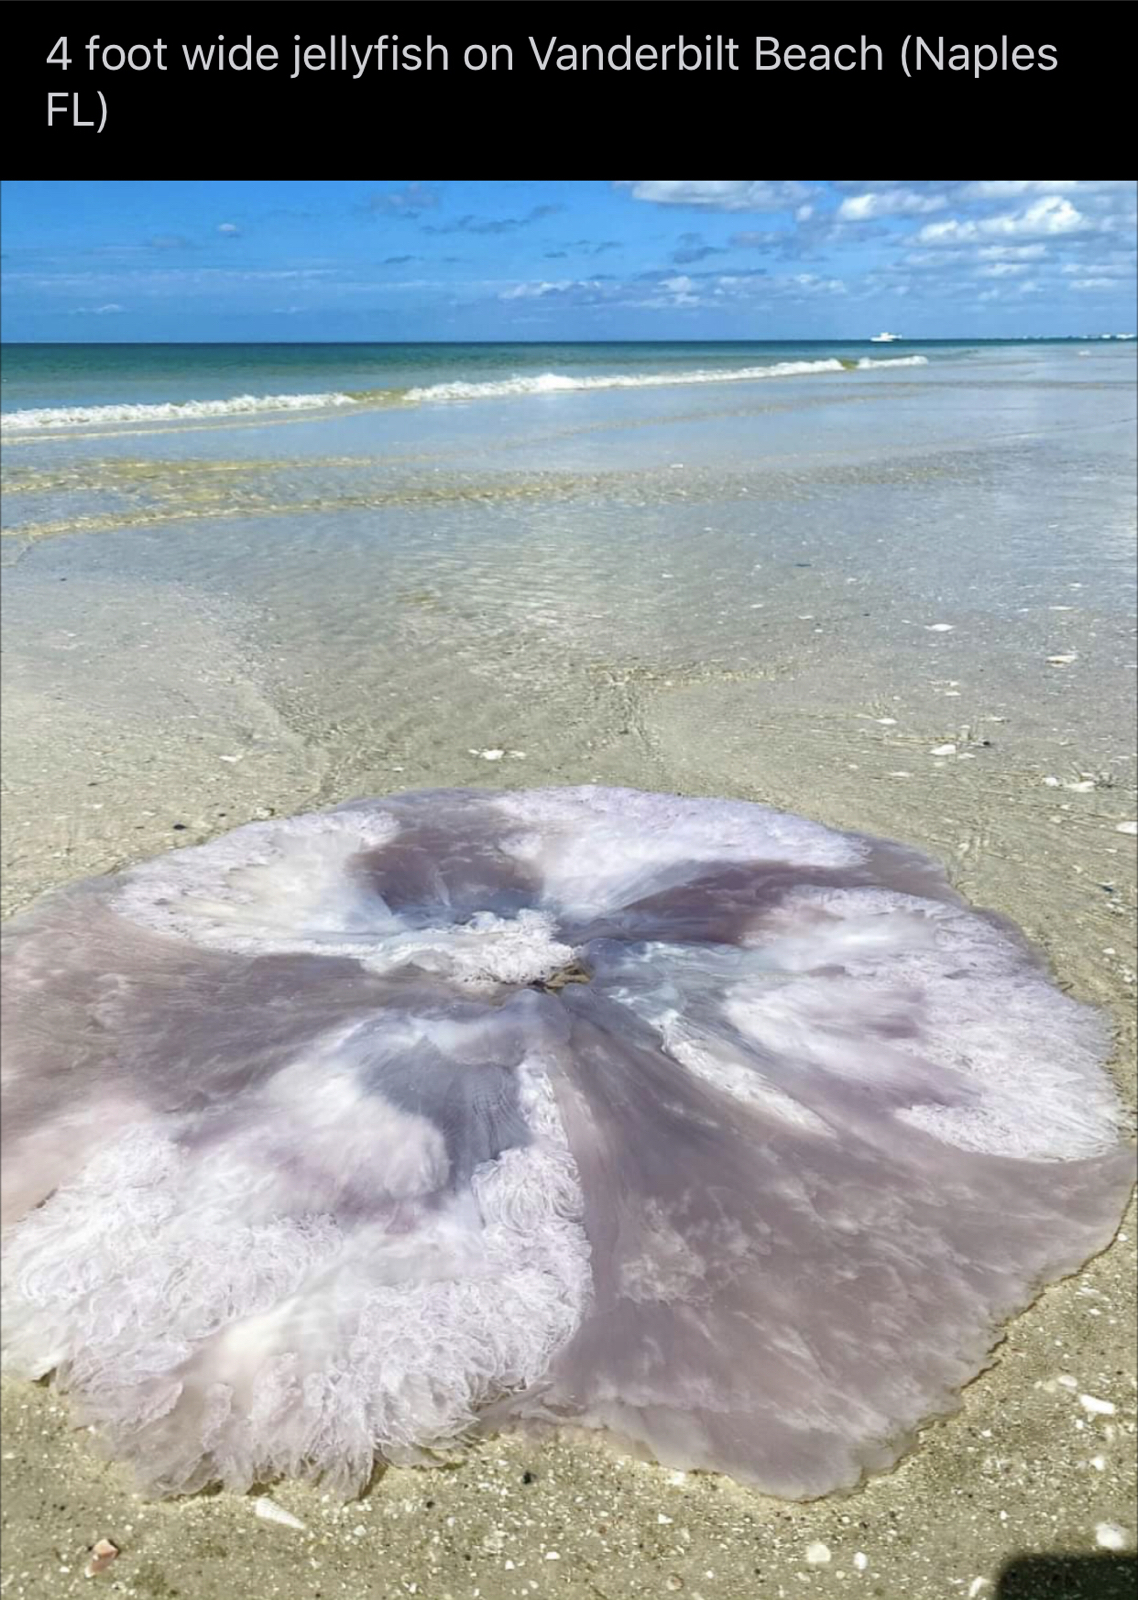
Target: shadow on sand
1063,1577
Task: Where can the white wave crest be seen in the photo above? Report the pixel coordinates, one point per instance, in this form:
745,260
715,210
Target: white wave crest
168,411
34,419
555,382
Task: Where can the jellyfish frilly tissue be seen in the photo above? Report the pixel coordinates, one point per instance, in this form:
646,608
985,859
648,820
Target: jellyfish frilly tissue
343,1138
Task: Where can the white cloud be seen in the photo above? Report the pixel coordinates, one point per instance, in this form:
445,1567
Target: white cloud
1012,252
230,229
1005,269
1085,284
1098,269
1016,188
1012,291
535,291
888,203
933,258
1048,217
719,196
810,283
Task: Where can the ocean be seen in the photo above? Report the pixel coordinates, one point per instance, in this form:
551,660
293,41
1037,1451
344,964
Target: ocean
55,385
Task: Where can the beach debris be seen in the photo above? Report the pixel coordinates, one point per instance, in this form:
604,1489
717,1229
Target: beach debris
488,755
943,750
860,1560
103,1552
1109,1536
940,627
817,1554
1096,1407
1127,827
269,1511
1061,661
975,1587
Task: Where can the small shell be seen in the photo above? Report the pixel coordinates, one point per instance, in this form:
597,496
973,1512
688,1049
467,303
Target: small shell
269,1511
1097,1407
103,1552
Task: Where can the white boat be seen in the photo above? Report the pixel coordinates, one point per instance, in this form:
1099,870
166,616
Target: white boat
885,338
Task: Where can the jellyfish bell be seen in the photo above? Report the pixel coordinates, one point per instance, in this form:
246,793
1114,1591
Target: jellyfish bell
346,1136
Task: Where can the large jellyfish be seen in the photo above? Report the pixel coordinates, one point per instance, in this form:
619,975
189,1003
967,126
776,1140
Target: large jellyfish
343,1137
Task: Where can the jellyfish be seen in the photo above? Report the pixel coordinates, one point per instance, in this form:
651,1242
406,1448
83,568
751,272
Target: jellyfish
350,1137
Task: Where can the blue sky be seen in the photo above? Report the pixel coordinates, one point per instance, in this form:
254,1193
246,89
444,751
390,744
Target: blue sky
573,260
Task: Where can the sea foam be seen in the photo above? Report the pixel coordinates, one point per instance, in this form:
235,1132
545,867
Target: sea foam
34,419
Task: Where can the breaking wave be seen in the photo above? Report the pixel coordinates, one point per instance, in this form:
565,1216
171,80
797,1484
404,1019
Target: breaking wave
895,361
33,419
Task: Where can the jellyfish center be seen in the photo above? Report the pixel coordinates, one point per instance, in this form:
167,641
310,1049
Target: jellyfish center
520,950
573,972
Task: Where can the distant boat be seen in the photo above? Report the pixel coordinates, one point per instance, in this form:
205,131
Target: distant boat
885,338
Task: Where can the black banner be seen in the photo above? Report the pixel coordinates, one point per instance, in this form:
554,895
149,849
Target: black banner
555,82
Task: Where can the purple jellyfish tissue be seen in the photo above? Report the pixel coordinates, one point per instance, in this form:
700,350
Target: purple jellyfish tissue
341,1138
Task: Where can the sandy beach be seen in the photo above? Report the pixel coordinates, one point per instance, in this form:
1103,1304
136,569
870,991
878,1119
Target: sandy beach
895,601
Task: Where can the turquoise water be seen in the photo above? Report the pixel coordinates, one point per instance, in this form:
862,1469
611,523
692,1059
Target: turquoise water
55,384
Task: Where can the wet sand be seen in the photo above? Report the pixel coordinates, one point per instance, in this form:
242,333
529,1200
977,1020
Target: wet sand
804,600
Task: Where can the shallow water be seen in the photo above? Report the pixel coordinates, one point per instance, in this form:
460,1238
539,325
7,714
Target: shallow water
795,590
383,593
